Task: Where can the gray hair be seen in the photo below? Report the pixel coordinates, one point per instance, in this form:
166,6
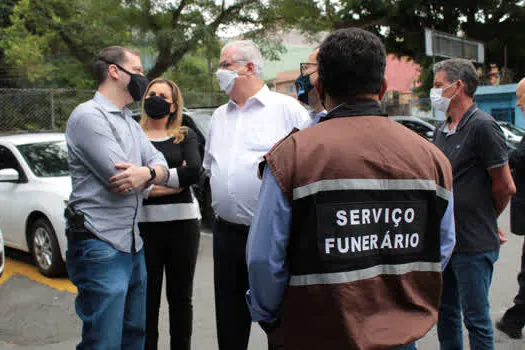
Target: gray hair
246,51
460,69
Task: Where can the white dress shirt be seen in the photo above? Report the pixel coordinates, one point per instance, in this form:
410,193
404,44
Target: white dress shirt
237,141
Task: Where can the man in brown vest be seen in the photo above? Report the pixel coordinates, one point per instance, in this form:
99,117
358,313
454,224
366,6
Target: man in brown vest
354,222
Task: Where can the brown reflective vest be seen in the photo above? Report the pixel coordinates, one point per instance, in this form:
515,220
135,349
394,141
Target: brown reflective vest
367,197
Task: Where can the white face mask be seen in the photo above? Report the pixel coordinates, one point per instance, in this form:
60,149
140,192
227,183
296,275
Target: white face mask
226,79
438,101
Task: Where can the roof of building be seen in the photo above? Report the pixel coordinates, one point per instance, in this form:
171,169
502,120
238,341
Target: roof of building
494,90
288,61
290,75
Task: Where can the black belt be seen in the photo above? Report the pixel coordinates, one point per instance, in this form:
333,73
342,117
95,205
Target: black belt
80,235
233,226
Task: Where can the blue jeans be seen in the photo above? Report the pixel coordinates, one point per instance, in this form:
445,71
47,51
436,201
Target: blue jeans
111,300
466,285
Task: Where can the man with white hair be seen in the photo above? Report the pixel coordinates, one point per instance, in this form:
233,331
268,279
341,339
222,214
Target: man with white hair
241,132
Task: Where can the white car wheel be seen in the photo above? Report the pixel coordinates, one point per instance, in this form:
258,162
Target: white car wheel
45,249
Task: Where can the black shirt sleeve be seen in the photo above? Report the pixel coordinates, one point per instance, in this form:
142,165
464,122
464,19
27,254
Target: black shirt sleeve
491,143
189,174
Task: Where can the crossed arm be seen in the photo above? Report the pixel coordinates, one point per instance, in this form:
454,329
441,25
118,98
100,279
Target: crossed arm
93,141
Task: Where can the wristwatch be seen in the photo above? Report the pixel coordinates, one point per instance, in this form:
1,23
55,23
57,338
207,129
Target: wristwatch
152,173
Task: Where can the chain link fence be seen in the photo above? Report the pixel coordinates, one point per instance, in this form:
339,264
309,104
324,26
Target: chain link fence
38,109
49,109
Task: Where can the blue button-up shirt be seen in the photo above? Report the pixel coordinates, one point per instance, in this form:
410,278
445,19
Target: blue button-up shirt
316,117
100,135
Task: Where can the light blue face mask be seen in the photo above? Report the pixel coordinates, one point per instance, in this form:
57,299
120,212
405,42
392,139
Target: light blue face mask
226,79
438,101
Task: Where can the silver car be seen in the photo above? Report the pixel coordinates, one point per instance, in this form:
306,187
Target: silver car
417,125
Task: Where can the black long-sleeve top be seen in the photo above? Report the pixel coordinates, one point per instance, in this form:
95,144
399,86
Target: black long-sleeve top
183,205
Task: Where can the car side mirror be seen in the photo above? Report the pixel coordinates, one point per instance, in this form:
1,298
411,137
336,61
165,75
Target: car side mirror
9,175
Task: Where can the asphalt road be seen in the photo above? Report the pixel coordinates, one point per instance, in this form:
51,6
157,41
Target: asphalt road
38,313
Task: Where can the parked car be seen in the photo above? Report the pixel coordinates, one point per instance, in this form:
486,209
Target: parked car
198,120
436,122
417,125
34,189
513,134
2,254
426,129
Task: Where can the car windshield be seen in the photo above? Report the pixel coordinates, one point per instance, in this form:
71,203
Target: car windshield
514,129
46,159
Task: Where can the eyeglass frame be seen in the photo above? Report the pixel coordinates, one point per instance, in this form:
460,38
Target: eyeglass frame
226,65
304,66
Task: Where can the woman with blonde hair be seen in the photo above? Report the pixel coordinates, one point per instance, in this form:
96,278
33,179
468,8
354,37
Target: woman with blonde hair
169,221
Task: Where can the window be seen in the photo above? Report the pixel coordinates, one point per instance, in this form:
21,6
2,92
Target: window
503,114
46,159
7,159
290,88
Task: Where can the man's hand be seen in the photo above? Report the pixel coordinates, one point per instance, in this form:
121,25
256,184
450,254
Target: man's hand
132,178
502,239
503,187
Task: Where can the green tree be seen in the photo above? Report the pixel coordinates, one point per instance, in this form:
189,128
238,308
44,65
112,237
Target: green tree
7,76
52,40
400,23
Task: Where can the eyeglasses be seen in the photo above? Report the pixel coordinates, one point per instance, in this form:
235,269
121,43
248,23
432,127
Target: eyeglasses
224,65
306,68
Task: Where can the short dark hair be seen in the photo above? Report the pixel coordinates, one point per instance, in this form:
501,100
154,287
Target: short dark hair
350,62
113,54
460,69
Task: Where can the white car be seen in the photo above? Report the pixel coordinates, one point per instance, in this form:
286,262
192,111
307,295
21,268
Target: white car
34,188
417,125
513,134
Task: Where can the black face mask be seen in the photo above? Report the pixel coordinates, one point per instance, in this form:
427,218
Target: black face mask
303,86
156,107
137,84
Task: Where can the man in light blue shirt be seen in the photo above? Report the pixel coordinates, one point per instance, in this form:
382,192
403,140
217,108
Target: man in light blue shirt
111,162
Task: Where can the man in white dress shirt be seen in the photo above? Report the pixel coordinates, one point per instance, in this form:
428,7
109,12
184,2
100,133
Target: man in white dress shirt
241,132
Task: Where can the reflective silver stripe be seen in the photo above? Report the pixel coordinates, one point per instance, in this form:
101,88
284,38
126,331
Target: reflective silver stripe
352,276
370,184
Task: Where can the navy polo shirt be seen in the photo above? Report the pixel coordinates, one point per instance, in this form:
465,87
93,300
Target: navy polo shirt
476,145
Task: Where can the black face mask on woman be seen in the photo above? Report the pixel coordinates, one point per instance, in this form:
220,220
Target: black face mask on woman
156,107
